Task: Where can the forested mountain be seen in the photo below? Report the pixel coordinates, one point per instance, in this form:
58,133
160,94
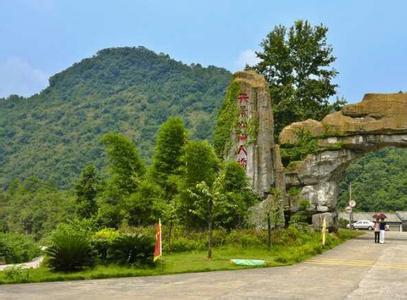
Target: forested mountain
53,134
379,181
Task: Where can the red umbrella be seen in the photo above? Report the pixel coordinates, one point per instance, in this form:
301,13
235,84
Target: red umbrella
379,216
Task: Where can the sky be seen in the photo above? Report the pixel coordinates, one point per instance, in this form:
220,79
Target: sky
39,38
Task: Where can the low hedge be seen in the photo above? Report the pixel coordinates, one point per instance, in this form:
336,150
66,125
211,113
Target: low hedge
186,240
112,246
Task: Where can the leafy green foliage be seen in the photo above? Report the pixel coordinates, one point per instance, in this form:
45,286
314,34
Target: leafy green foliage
144,207
306,144
126,90
192,261
171,139
70,249
17,248
86,190
34,207
238,197
101,242
200,163
125,164
296,62
302,217
378,181
200,166
274,209
131,250
17,274
125,173
226,121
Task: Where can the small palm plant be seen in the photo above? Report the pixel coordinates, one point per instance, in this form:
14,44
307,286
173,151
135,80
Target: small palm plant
70,249
129,249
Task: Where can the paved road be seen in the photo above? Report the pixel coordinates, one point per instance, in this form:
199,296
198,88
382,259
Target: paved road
358,269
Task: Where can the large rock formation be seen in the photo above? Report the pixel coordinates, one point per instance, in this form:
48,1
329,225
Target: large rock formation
380,120
376,114
246,135
252,135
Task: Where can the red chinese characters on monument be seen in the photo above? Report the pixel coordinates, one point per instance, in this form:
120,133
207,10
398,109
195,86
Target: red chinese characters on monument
243,99
243,138
241,155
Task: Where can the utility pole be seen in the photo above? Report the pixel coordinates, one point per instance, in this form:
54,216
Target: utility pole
350,211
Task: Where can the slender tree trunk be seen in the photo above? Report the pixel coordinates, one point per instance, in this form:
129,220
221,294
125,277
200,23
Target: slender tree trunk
268,231
210,223
170,234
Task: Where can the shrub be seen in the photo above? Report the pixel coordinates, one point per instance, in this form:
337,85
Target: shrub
17,274
70,249
343,223
17,248
136,249
182,244
106,234
101,242
247,238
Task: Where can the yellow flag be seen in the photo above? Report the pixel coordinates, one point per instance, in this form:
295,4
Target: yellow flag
323,231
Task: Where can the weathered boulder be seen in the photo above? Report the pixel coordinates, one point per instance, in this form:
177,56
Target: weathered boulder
290,133
376,114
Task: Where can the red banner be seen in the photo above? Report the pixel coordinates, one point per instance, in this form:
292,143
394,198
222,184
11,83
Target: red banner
158,250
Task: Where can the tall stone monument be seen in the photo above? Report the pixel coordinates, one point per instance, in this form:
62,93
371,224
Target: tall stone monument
252,134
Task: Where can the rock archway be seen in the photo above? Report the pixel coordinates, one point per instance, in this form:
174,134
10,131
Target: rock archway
379,121
244,133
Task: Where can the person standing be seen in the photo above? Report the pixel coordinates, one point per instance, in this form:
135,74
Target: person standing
376,231
382,229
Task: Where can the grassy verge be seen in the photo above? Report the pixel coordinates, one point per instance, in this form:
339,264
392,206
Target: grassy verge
192,261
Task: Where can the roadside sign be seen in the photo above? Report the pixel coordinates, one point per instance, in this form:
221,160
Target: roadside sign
348,209
352,203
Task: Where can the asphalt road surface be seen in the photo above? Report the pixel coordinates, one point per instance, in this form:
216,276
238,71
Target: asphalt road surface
357,269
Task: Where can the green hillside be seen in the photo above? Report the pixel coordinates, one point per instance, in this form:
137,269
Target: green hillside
52,135
379,181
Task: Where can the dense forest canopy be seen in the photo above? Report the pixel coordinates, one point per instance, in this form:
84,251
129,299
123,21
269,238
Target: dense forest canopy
53,134
379,181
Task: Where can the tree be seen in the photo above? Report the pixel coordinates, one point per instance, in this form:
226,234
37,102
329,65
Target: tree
238,196
169,148
274,212
125,171
296,62
36,207
86,190
144,207
167,160
208,202
200,163
125,165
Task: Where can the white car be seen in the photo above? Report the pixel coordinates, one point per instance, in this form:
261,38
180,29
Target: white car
362,224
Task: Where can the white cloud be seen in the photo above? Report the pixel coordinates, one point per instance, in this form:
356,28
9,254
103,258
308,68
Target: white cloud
19,77
246,57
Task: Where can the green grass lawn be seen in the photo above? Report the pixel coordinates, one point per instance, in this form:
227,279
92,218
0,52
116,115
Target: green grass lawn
185,262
